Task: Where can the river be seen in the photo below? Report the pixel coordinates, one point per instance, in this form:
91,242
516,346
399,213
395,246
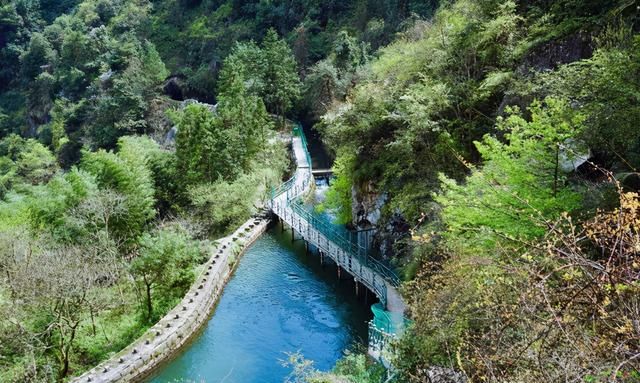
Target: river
279,301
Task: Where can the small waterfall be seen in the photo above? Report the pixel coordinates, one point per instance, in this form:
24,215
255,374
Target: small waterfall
322,185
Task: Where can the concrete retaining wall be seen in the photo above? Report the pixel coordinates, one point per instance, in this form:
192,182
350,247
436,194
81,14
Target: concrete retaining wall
171,333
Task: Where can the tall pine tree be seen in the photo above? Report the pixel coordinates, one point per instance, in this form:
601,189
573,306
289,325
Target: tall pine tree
281,84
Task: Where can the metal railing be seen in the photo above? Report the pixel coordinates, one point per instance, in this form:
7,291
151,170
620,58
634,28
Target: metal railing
338,244
297,131
328,230
283,188
379,339
345,243
326,233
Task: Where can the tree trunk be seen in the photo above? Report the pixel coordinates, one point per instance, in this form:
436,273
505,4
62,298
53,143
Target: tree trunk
64,366
149,303
93,322
555,173
65,351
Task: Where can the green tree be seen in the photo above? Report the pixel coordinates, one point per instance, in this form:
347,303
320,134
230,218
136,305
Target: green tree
241,111
339,195
32,162
281,84
36,164
128,175
521,186
322,87
196,125
606,86
269,71
122,107
57,126
164,269
171,194
206,149
500,34
7,176
48,205
38,55
348,52
76,50
222,206
352,368
247,60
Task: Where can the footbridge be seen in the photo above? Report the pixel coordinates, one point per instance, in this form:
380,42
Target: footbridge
287,204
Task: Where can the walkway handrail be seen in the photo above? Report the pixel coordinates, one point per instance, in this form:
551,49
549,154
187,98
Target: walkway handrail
284,187
297,131
378,337
330,234
286,202
355,250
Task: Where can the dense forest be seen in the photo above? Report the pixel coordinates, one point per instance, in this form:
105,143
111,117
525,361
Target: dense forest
494,144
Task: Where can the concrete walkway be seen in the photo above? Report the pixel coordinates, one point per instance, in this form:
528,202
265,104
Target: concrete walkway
171,333
303,182
395,303
167,337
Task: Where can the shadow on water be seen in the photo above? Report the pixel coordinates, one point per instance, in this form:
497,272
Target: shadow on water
280,300
320,157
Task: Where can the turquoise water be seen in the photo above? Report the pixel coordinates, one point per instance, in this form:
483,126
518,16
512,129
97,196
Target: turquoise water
279,301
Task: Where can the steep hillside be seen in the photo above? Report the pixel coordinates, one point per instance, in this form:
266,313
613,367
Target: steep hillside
500,134
493,144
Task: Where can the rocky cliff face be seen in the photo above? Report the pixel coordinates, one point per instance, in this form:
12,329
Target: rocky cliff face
546,57
366,213
366,206
551,54
368,202
387,239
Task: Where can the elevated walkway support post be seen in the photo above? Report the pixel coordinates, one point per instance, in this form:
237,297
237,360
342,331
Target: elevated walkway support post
347,254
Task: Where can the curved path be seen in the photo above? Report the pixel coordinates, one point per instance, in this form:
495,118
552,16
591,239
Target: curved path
361,268
172,332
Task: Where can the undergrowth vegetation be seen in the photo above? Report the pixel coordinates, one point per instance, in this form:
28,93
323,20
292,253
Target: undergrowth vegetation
505,135
499,137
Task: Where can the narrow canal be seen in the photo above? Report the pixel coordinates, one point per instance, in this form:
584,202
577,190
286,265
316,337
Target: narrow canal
279,301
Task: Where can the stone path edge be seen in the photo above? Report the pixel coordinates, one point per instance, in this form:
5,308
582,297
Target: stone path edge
163,341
